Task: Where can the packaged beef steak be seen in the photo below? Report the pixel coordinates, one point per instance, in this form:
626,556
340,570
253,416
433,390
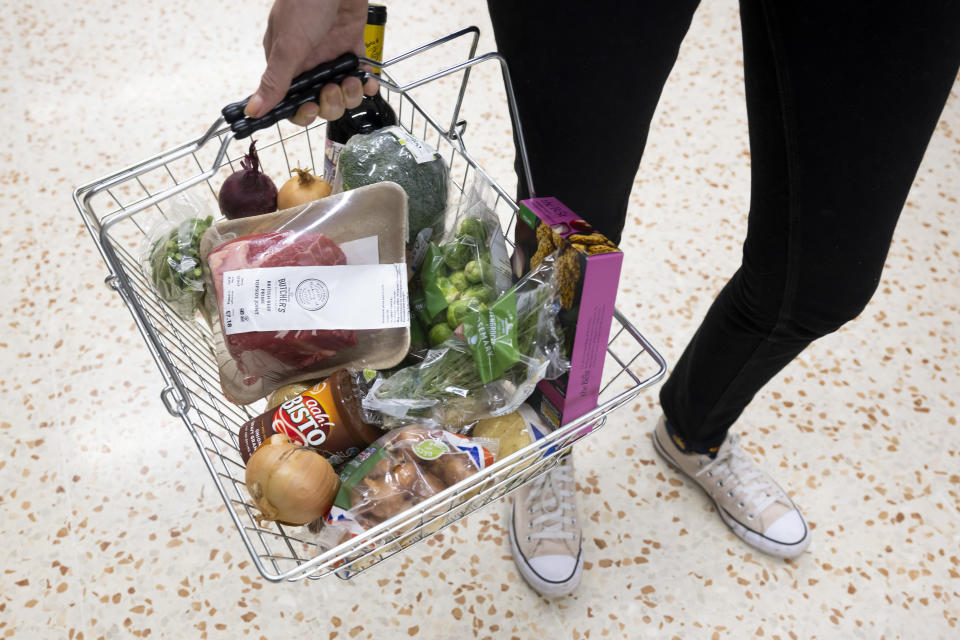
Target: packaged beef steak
300,293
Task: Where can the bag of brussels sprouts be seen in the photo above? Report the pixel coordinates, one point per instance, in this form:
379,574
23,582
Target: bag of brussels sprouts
488,366
468,269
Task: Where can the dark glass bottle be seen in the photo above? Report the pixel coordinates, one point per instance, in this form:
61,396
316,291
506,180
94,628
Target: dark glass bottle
373,113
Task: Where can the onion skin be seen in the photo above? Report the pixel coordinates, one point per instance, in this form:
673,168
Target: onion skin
249,191
302,188
289,483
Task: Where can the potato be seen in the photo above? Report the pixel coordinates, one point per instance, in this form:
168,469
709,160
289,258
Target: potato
429,485
385,498
453,468
382,468
403,439
404,477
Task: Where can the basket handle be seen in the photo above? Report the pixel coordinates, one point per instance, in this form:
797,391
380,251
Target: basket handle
303,89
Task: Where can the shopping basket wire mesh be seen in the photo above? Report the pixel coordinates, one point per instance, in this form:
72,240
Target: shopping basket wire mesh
119,211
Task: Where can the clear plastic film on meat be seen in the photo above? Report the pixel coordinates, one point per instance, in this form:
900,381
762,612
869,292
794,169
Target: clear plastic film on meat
358,229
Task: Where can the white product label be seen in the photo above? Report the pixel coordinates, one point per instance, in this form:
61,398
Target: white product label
370,296
422,152
362,251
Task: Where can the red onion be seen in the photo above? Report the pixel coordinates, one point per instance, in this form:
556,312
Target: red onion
248,192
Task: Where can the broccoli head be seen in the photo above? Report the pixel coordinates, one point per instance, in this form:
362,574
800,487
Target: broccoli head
385,156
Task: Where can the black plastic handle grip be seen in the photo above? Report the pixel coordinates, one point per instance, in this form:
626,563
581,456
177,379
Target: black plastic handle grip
309,81
285,109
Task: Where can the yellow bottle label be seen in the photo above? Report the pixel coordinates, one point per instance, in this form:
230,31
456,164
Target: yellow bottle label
373,40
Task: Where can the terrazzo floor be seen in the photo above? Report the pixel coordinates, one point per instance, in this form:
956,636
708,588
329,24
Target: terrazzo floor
111,524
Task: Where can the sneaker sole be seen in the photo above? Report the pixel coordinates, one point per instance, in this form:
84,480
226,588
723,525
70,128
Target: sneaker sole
545,588
752,538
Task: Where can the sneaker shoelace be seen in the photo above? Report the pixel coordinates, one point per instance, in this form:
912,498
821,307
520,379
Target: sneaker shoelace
549,495
741,477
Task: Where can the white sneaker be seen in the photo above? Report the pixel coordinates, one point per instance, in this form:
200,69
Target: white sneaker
749,501
544,534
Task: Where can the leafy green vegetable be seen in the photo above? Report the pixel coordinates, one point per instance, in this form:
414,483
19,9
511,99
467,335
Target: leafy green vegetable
385,156
175,268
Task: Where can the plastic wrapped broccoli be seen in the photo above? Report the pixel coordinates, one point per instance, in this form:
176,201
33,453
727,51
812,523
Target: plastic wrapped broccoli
393,155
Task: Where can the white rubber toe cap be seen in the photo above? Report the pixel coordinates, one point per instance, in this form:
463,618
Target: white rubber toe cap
788,529
558,569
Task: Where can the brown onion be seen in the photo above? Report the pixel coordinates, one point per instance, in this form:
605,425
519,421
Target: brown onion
302,188
290,483
288,392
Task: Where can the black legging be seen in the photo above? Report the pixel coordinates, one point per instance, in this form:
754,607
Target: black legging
842,98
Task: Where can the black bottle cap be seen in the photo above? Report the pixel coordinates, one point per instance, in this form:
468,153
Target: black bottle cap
377,14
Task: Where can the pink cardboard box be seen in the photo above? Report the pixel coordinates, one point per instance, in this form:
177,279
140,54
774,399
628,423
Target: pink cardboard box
590,273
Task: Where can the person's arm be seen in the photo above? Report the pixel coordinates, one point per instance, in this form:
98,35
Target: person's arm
300,35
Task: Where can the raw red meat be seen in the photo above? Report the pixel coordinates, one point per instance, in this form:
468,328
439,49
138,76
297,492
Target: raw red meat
262,353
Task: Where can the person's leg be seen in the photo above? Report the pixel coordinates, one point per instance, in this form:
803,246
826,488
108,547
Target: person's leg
587,77
842,99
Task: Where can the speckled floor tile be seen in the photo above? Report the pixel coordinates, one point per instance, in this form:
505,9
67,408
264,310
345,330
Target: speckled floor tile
114,528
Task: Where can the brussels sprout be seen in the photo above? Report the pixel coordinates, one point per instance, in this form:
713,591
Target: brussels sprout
439,318
459,280
457,255
477,271
439,334
460,309
450,291
479,292
474,228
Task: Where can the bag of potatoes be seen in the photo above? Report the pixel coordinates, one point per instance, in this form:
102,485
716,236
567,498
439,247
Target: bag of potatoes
401,469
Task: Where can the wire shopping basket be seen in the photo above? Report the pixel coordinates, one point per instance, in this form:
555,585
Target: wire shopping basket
118,208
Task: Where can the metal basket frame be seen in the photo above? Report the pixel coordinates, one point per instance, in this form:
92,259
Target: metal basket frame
113,209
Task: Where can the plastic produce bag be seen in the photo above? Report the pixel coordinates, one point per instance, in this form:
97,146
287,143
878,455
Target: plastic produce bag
300,293
393,155
171,254
401,469
489,367
467,270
